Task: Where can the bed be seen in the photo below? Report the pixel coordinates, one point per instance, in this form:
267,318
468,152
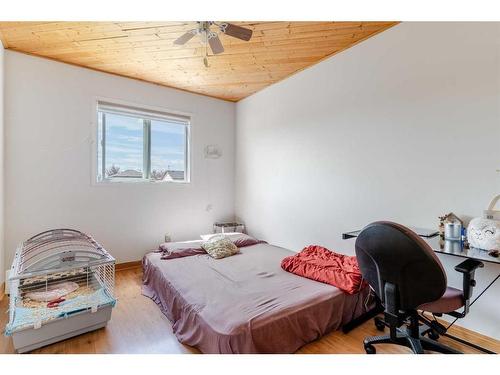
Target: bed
245,303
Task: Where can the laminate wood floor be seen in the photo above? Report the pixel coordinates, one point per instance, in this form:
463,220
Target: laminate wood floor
138,326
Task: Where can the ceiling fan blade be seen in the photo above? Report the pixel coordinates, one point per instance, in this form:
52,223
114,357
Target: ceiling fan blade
216,45
238,32
183,39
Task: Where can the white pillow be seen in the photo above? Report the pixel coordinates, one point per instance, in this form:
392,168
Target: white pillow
230,235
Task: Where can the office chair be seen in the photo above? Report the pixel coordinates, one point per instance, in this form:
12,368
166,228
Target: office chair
407,276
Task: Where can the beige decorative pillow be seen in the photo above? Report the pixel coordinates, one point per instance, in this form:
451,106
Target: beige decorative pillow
219,247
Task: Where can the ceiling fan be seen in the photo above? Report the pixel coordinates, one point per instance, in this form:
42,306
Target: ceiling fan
211,37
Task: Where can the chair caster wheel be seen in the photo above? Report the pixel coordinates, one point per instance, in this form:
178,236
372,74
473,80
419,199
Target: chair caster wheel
379,324
433,335
370,349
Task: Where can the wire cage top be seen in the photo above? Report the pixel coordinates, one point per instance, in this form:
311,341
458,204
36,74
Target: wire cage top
57,250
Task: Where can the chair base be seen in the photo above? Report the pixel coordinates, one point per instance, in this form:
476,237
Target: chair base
404,338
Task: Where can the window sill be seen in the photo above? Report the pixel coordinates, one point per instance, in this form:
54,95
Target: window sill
139,182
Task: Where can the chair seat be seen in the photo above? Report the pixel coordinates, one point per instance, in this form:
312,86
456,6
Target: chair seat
451,300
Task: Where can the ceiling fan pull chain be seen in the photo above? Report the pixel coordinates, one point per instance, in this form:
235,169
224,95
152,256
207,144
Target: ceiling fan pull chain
205,59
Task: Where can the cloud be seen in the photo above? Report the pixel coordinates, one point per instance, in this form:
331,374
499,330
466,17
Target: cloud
135,124
123,122
166,128
166,152
120,149
160,163
129,138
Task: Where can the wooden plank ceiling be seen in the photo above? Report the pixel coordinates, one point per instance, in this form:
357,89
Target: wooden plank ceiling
145,51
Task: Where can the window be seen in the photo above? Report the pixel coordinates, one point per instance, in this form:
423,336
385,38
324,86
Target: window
141,145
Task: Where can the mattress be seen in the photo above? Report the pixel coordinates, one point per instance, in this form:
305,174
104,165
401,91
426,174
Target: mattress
245,303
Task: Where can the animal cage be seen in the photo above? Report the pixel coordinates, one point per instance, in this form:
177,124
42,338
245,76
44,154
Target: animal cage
61,285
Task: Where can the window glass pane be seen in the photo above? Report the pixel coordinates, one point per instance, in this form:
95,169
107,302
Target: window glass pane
168,151
124,146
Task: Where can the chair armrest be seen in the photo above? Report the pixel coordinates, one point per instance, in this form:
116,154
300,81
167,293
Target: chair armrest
468,266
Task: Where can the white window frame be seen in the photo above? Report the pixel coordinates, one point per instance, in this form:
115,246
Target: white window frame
147,113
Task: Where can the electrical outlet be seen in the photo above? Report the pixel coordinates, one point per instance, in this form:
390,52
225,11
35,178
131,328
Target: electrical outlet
167,238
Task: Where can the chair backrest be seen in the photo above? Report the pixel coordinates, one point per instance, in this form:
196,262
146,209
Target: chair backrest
391,253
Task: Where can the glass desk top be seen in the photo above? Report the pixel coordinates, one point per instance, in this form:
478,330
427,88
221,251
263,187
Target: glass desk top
442,246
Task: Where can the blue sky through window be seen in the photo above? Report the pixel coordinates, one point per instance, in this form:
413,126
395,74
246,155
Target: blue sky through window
167,146
124,144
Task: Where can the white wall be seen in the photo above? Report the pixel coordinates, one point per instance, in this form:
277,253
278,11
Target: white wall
2,248
404,126
49,117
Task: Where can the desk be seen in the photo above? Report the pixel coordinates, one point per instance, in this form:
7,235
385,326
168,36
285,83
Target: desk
441,246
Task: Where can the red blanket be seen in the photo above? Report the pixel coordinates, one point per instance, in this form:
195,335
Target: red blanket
320,264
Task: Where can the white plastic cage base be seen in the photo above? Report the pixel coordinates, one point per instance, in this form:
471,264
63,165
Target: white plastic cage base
61,329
